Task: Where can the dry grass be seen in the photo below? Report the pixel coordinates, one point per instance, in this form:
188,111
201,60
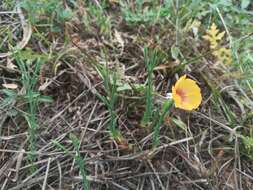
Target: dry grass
201,149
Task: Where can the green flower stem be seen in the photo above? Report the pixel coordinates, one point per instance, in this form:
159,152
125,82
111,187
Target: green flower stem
165,108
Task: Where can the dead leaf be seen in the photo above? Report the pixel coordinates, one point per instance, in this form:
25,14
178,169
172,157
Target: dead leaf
114,1
10,65
119,38
167,65
162,67
10,86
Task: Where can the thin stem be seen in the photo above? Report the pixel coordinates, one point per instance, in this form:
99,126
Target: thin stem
166,107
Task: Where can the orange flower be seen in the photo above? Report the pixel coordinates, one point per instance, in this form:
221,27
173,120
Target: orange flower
186,94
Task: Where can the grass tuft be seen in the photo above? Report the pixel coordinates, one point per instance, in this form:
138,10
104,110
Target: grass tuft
29,78
150,60
110,99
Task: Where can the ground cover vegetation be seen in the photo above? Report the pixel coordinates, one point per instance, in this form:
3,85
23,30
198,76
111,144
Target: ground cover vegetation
126,94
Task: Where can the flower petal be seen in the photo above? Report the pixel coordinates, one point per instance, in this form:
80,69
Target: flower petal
186,94
180,80
192,101
177,99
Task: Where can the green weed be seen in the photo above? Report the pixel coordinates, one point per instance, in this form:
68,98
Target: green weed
150,60
51,12
142,13
97,15
247,146
110,99
78,158
160,118
30,97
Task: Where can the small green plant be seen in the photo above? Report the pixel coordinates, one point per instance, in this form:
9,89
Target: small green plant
29,80
30,98
80,161
97,15
7,4
110,98
150,60
47,11
247,145
159,121
141,13
9,99
78,158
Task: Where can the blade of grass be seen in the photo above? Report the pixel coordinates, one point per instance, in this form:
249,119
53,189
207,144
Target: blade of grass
78,158
150,60
110,99
165,108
